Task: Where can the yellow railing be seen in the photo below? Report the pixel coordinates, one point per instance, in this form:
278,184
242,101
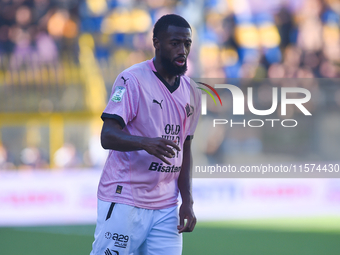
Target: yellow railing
36,94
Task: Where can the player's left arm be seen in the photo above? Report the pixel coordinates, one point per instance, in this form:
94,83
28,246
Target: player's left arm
184,184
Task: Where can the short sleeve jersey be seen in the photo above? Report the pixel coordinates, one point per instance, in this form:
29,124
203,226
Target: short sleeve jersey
145,105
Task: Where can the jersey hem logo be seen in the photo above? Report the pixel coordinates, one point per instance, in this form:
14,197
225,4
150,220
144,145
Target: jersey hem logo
119,189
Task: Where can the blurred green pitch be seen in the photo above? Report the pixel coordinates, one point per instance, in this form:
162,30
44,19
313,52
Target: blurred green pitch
308,236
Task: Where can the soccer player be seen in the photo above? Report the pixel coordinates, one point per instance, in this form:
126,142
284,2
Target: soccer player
148,126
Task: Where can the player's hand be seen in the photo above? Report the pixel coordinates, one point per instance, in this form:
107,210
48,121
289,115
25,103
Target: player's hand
186,212
161,148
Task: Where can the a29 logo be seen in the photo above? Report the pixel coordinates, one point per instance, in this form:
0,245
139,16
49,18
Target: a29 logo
120,238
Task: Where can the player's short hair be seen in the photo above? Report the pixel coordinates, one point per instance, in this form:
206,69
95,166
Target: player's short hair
169,20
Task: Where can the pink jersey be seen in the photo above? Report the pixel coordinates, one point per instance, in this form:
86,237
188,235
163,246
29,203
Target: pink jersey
145,106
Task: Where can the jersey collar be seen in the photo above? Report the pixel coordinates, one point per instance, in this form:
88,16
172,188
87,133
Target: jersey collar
167,85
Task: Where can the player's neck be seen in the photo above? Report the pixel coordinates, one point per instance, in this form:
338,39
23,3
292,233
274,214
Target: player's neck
162,72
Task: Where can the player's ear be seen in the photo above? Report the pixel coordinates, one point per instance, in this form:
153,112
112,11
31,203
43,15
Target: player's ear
156,43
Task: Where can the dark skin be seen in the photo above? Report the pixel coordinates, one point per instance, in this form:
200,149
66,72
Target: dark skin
174,44
114,138
186,211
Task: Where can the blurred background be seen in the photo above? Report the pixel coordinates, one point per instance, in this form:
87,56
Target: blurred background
58,61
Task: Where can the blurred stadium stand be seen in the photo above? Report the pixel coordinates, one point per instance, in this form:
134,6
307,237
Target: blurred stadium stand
58,60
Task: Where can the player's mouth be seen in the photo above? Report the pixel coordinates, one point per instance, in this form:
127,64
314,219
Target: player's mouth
180,61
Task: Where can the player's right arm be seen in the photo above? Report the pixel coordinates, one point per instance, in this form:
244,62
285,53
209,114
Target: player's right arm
114,138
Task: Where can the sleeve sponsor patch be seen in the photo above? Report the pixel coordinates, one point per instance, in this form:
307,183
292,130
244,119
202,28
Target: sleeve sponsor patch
118,94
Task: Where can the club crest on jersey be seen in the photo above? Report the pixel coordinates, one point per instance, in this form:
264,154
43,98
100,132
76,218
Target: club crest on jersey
189,110
118,94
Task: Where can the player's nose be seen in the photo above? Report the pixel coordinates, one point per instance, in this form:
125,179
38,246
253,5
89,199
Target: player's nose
182,50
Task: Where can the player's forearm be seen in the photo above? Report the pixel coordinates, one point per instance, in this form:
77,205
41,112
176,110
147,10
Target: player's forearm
184,179
120,141
114,138
185,190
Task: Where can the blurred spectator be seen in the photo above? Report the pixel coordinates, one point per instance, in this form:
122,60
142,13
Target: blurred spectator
95,156
46,48
5,164
37,32
66,157
31,158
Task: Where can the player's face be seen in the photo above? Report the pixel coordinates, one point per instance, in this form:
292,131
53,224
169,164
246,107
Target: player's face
174,49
